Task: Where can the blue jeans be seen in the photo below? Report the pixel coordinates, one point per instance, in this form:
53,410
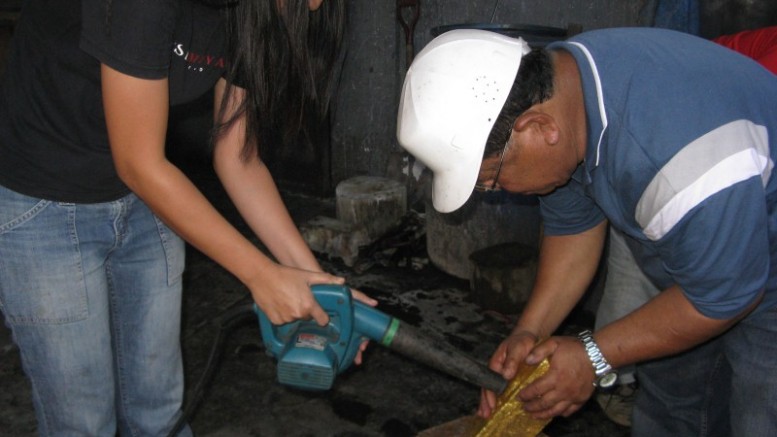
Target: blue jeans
725,387
92,295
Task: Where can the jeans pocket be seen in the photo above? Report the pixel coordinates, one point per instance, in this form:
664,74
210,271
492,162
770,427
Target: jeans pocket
41,276
16,209
175,252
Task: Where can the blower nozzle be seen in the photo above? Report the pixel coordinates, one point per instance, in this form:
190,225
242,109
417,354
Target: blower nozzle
310,356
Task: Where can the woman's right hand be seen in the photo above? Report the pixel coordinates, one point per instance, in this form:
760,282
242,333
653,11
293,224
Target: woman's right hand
285,295
506,360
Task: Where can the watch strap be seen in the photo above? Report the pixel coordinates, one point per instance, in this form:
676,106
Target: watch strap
599,363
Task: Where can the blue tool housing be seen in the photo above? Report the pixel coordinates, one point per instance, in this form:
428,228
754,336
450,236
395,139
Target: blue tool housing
311,356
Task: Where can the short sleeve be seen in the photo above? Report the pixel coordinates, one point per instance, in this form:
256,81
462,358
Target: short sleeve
567,210
131,36
719,253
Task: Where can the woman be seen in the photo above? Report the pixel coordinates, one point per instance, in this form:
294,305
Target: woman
91,209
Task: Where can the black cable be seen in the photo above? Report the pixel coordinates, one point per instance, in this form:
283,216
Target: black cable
226,323
493,11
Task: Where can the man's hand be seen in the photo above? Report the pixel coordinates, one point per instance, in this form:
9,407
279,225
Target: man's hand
567,385
506,360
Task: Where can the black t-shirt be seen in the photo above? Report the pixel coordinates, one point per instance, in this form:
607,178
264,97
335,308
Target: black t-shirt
53,139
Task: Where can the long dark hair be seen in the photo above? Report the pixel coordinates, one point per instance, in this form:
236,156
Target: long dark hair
283,55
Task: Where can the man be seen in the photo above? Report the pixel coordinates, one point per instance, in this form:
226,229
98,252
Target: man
626,288
668,138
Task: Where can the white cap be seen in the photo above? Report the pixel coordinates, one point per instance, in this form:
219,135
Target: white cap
453,93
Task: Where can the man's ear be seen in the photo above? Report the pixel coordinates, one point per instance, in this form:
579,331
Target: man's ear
542,122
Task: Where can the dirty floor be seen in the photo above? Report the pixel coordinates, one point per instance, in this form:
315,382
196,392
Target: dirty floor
389,395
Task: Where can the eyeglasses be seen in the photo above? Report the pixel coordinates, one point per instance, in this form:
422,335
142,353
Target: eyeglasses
493,185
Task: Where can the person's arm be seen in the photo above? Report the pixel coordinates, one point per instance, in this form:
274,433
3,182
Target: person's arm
566,267
666,325
136,112
251,188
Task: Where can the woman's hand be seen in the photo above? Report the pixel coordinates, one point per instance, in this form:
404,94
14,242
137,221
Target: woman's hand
289,298
284,294
363,298
506,360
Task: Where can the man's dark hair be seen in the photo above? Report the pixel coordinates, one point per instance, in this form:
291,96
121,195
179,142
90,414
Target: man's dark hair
284,56
533,84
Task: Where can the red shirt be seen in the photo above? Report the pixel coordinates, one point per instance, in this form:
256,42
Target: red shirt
759,44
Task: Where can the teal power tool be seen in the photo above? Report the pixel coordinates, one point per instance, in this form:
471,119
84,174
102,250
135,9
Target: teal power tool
310,356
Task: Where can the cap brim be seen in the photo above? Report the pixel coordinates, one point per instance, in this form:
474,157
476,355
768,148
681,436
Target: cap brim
451,189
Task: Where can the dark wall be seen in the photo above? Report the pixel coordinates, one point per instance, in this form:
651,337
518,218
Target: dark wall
361,139
364,122
721,17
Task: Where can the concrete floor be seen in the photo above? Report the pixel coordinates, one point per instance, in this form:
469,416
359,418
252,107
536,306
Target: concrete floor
389,395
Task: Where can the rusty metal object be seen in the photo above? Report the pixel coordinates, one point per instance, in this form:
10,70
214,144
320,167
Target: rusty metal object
465,426
509,419
414,8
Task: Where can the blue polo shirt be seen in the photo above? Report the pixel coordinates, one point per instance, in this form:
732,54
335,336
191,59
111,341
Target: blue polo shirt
682,139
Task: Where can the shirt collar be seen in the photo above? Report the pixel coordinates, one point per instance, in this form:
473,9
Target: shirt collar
596,114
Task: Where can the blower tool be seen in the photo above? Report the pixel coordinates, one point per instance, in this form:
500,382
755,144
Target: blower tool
311,356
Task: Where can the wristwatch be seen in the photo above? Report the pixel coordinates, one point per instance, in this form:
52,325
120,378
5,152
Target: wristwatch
605,374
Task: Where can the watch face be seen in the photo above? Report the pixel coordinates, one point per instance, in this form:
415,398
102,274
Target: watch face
608,380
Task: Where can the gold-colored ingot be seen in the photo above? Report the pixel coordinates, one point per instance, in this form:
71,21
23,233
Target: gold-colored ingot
509,418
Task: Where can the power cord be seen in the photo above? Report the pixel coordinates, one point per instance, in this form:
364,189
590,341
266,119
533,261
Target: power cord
225,324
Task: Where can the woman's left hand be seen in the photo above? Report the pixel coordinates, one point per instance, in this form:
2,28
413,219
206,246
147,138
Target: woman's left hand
363,298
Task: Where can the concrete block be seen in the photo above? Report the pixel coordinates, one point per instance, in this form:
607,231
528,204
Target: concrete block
375,203
503,276
485,220
335,238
